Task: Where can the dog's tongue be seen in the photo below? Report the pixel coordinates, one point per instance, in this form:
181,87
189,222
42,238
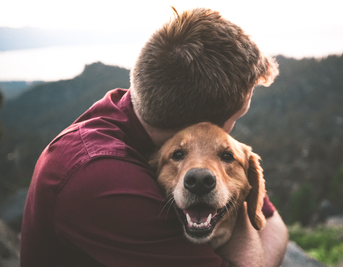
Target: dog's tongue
200,213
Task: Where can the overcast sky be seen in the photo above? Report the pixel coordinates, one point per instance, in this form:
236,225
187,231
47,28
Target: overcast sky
294,28
291,27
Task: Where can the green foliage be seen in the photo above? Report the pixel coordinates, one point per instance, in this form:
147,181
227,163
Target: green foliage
302,204
296,126
336,188
322,243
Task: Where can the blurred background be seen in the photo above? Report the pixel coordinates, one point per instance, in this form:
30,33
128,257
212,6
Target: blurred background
58,57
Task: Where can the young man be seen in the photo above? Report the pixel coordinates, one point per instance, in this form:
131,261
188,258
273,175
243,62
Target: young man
93,199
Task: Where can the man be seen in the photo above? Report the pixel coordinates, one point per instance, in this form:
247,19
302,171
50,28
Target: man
93,199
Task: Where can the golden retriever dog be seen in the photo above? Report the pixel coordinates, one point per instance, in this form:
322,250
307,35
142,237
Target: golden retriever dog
207,175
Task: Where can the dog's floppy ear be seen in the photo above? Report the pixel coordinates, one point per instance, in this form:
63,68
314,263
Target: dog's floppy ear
257,192
154,161
159,158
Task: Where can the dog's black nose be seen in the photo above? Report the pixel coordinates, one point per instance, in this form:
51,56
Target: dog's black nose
199,181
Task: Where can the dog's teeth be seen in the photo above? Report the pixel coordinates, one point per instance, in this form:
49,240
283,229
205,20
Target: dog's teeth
209,218
198,225
188,218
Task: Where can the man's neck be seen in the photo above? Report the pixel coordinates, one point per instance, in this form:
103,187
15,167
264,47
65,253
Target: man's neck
158,136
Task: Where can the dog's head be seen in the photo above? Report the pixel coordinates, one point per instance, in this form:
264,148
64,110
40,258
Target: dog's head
209,175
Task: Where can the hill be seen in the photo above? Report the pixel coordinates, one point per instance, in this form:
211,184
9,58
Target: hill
33,119
295,125
14,88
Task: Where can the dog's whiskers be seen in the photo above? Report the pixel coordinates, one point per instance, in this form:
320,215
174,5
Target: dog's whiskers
236,207
233,205
168,203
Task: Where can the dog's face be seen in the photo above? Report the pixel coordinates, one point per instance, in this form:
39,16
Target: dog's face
208,175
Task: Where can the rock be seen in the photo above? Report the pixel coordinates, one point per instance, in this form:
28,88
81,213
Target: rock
9,247
296,257
11,211
334,221
327,209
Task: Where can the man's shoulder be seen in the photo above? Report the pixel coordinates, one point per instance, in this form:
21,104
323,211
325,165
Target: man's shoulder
115,175
75,146
82,142
92,139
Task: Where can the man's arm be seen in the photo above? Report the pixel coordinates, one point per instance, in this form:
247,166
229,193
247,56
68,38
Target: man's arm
113,211
249,248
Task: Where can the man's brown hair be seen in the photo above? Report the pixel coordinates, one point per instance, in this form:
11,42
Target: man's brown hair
197,67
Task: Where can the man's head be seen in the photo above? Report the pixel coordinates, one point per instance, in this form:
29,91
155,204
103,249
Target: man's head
197,67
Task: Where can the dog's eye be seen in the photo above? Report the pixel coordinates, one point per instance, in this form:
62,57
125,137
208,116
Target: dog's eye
227,157
178,155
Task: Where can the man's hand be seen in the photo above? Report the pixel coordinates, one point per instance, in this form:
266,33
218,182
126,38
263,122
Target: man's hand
274,237
250,248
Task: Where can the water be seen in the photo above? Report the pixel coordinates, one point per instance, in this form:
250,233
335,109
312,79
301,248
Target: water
55,63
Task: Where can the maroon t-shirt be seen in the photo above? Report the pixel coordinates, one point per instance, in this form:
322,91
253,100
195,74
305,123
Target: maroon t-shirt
94,201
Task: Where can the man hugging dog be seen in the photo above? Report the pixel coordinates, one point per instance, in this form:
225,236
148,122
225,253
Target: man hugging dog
94,199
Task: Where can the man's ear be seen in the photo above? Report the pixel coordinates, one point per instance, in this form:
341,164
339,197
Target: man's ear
257,192
269,69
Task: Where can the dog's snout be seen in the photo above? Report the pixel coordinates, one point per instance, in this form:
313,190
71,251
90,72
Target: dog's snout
199,181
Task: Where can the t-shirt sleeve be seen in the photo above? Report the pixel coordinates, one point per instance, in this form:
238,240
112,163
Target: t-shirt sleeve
268,207
114,211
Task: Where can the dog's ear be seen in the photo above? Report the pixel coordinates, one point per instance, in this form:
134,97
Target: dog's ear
158,159
257,192
155,161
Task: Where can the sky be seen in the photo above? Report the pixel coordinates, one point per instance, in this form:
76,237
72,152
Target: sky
295,28
254,15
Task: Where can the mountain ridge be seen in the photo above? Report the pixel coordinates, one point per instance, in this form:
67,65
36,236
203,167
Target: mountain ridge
295,125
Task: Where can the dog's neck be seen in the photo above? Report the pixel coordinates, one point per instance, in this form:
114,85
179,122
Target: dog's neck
158,136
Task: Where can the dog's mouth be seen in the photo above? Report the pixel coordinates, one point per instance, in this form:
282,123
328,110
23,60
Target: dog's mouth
200,219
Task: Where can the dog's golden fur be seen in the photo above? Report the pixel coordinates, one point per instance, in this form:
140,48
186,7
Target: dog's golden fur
238,178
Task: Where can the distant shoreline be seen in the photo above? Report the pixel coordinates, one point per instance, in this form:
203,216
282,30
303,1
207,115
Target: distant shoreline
62,62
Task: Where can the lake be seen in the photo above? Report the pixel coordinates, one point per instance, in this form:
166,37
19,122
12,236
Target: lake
55,63
65,62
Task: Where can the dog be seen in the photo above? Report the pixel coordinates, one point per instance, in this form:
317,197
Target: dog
207,175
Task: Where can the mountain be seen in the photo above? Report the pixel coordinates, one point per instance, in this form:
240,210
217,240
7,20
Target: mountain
14,88
295,125
30,121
